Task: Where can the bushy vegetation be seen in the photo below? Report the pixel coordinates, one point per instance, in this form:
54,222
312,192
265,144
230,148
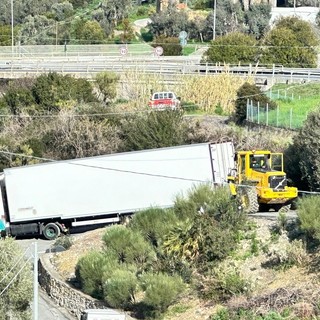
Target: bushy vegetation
65,241
308,216
298,42
154,257
16,281
253,93
233,48
171,45
291,43
194,249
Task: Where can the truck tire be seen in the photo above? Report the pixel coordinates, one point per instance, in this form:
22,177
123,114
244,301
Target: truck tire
248,199
51,231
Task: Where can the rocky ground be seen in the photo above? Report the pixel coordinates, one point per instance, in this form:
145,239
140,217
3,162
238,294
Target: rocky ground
271,287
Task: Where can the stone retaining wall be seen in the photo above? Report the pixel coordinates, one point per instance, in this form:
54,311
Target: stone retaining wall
63,294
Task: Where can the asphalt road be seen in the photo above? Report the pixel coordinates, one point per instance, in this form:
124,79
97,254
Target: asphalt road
47,309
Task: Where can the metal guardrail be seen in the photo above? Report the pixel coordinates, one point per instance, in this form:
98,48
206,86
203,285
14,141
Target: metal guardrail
86,66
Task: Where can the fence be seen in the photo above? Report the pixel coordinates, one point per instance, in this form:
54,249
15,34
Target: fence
264,115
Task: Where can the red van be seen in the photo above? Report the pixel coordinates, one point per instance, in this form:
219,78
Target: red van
164,100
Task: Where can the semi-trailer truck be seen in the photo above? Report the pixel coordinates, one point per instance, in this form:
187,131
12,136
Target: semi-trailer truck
51,198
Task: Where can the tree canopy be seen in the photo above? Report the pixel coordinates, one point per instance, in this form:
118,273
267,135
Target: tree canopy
232,48
291,42
16,281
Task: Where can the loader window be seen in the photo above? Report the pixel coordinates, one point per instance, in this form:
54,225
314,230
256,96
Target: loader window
260,161
277,161
242,164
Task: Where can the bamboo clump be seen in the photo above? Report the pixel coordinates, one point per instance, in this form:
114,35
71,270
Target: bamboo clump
205,91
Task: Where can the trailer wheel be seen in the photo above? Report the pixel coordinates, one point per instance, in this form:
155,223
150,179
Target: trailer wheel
51,231
248,199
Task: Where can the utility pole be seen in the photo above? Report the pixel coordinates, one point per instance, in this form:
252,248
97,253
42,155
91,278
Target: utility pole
214,19
35,281
56,35
12,42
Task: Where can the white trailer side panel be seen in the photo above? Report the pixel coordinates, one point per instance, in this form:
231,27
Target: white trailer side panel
118,183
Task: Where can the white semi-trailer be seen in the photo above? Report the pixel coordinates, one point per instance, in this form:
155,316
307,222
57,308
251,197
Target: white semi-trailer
50,198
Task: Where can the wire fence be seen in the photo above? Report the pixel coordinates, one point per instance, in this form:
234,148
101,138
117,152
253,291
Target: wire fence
265,115
282,95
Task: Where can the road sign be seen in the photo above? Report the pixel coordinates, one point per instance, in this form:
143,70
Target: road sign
183,35
123,51
183,42
158,51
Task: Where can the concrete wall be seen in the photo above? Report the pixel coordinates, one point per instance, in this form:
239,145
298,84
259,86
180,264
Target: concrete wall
63,294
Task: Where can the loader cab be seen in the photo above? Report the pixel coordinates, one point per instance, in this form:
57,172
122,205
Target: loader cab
253,165
265,162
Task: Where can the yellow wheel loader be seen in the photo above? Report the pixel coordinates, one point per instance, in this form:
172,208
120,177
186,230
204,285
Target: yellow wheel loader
259,181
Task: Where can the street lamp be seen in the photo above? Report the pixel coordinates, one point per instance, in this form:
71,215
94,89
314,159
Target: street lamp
214,19
12,27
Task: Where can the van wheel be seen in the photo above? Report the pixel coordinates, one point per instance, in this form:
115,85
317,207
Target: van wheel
51,231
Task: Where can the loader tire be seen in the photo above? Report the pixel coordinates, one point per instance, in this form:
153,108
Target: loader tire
285,208
248,199
281,208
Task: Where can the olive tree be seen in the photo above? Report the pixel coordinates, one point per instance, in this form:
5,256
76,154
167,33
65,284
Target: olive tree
232,48
15,281
291,42
154,130
168,23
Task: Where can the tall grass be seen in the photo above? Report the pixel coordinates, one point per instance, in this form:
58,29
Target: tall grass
294,103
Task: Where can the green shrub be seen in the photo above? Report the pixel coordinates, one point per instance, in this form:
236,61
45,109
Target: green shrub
107,84
254,93
161,290
208,228
254,246
282,221
52,90
129,246
234,47
154,130
146,35
189,106
65,241
227,281
142,10
171,45
309,218
297,254
120,288
89,272
153,224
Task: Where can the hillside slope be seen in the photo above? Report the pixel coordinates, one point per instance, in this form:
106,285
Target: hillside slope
281,274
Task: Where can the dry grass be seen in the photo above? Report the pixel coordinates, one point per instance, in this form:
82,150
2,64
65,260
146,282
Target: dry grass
65,262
